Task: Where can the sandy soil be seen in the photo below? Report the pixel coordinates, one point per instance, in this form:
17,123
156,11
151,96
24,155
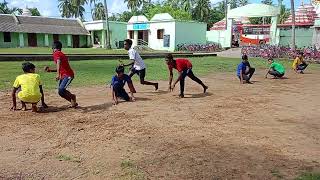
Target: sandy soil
268,130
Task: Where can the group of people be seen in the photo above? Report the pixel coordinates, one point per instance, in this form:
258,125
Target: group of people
277,70
29,85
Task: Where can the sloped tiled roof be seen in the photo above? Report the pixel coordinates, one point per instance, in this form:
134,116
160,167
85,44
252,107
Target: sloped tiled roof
36,24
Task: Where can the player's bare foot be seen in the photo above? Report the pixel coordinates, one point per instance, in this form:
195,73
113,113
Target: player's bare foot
73,101
181,96
34,108
205,89
156,86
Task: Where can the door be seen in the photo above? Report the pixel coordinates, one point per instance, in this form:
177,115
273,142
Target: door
32,39
140,34
55,37
76,41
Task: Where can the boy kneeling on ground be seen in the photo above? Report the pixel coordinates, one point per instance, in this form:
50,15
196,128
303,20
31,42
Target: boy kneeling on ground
117,84
277,70
30,88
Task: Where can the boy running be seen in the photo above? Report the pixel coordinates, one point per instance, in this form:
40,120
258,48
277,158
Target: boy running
30,87
184,68
137,65
65,74
117,84
299,64
245,71
277,70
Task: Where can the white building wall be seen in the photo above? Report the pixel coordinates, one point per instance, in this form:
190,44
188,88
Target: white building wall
169,29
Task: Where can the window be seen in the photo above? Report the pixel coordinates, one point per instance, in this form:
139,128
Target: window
160,33
130,34
6,36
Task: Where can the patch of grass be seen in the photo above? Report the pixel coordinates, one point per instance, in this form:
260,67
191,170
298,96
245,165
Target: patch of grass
276,173
64,158
100,72
309,176
131,171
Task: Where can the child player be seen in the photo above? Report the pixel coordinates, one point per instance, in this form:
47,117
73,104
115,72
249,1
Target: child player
30,88
137,65
276,70
184,68
245,71
64,72
117,84
299,64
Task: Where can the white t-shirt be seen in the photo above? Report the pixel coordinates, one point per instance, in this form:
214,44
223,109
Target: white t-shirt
138,62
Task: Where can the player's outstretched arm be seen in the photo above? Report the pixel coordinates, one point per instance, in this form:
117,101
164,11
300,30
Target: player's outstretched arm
114,97
177,80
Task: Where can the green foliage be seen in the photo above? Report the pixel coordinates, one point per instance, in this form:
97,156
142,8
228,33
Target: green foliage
4,9
34,11
98,12
284,14
72,8
309,176
201,11
175,13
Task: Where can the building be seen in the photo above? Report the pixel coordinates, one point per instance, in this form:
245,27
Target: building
36,31
98,32
163,32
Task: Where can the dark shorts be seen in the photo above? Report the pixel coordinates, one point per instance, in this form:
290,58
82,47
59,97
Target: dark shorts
141,73
120,92
65,82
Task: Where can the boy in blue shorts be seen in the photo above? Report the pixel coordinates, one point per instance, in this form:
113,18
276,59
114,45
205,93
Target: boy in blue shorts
117,84
245,71
29,87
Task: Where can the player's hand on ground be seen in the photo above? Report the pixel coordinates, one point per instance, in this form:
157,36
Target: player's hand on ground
57,78
46,69
115,102
172,87
133,99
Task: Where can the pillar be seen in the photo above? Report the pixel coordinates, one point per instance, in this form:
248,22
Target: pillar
21,40
274,35
135,38
92,38
228,31
103,38
69,43
46,40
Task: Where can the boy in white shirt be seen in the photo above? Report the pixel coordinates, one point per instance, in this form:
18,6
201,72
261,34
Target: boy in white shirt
137,66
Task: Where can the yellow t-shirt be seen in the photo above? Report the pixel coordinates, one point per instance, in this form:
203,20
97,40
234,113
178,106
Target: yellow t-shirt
296,62
29,84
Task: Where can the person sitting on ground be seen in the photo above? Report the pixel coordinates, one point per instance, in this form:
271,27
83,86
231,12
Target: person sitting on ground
245,71
30,88
277,70
117,84
184,68
299,64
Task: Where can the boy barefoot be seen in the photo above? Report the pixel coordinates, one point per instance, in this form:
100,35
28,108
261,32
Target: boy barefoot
30,87
137,65
64,72
299,64
184,68
117,84
245,71
276,70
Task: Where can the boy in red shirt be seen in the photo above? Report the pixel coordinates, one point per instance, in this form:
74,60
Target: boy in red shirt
184,68
65,74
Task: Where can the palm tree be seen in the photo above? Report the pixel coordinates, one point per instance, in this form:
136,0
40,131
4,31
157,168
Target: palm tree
284,14
4,9
98,12
107,21
202,10
133,5
66,8
293,34
187,5
79,6
243,2
92,9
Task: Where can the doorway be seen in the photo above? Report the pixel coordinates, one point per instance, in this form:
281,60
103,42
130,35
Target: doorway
76,41
32,39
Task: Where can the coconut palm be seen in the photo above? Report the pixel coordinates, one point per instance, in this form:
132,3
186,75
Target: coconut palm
4,9
94,3
79,7
66,8
187,5
284,14
107,21
243,2
98,12
202,10
133,5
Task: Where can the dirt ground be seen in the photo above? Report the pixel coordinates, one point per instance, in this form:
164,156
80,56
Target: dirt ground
268,130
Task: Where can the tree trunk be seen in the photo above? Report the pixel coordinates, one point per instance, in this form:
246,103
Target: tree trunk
293,34
225,13
107,21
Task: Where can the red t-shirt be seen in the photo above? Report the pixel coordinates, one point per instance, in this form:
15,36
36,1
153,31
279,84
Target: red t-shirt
65,69
181,65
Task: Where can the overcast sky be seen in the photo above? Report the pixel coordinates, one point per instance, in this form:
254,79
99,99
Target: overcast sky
50,7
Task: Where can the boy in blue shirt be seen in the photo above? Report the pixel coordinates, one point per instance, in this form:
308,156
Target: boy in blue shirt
117,84
245,71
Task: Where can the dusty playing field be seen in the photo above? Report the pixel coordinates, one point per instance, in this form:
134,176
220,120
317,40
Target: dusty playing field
268,130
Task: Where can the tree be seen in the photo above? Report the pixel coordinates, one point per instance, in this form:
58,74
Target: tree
98,12
243,2
4,9
92,8
202,10
187,5
34,12
78,4
284,14
177,14
134,5
107,21
268,2
233,4
66,8
293,34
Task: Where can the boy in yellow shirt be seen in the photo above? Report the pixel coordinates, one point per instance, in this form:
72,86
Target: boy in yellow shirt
30,87
299,64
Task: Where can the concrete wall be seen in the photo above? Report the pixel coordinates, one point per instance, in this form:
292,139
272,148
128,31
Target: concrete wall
169,29
216,36
190,33
303,36
14,41
118,32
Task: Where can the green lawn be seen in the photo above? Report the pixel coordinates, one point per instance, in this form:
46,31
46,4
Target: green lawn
99,72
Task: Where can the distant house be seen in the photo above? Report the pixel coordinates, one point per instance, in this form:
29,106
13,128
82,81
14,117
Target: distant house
37,31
